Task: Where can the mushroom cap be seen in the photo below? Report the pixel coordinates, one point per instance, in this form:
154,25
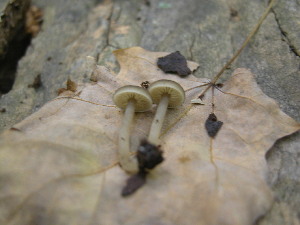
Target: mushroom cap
139,94
161,87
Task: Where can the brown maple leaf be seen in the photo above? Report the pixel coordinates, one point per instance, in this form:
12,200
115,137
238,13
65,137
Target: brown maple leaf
62,166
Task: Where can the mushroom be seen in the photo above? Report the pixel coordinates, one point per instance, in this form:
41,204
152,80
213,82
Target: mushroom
131,99
167,94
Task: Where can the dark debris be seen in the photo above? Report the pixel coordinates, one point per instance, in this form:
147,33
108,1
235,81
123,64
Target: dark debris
148,156
174,63
71,85
145,84
212,125
134,183
15,129
219,85
234,14
37,83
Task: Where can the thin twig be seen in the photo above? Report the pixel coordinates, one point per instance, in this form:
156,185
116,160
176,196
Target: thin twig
255,29
80,99
192,88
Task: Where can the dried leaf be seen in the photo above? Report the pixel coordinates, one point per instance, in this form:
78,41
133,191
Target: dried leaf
34,20
62,167
174,63
71,88
134,183
71,85
213,125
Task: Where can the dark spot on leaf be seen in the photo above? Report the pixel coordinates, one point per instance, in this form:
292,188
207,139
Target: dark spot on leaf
149,156
174,63
134,183
212,125
184,159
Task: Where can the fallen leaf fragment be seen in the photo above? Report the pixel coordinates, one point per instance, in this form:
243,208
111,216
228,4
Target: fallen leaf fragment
71,88
174,63
213,125
197,101
134,183
65,168
71,85
34,20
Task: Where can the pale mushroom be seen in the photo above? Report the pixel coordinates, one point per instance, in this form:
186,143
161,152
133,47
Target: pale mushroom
131,99
167,94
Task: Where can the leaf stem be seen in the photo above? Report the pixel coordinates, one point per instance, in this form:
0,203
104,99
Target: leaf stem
255,29
198,86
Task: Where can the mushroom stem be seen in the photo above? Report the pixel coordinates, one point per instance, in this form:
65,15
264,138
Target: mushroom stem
158,120
124,139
